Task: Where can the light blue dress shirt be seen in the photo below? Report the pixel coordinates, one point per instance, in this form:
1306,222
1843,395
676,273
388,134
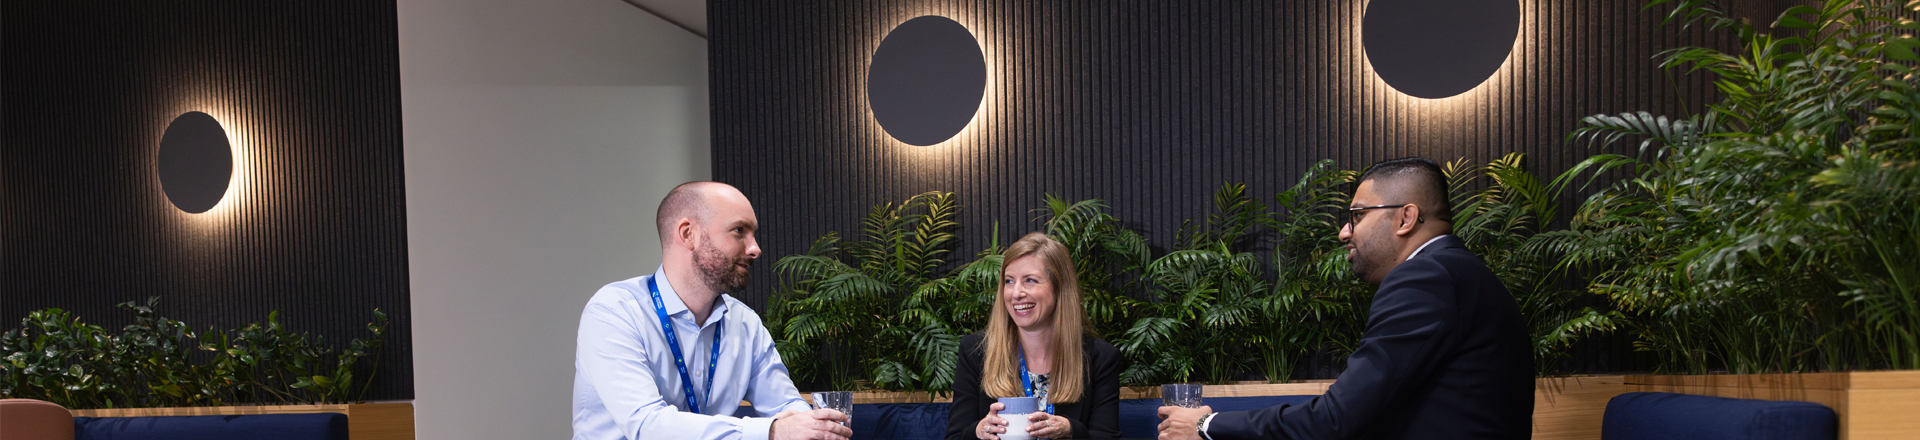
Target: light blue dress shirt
625,385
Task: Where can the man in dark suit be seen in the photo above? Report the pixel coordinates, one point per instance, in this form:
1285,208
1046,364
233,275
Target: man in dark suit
1445,354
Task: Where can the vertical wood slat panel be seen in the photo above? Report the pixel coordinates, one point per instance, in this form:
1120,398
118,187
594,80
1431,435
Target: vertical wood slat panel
1147,104
314,226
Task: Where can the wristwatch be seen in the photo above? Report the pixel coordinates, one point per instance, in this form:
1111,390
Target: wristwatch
1204,421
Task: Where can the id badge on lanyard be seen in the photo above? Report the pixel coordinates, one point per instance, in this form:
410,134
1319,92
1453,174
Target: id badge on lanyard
713,362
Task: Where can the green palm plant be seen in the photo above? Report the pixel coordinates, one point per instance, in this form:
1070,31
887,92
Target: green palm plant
1198,294
882,293
1502,224
1750,238
1204,295
1107,257
1315,303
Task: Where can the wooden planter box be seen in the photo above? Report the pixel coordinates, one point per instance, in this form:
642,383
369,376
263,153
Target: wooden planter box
1870,404
1571,408
365,421
1241,389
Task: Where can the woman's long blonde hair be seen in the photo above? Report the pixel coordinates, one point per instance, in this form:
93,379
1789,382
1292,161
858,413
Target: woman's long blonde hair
1001,375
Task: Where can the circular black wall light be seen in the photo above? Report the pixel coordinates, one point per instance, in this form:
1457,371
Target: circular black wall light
1438,48
196,162
926,80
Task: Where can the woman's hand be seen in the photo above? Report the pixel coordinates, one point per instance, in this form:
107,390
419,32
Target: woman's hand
1043,425
990,427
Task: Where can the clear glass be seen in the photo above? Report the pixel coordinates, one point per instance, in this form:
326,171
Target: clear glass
838,400
1184,395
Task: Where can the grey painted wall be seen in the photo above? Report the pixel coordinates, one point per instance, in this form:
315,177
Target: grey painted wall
539,138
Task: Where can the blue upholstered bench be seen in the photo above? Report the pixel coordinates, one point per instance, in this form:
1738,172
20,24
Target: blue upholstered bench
322,426
1661,416
1139,418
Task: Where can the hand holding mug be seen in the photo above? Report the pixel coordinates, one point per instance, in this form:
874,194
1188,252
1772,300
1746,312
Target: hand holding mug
1043,425
991,426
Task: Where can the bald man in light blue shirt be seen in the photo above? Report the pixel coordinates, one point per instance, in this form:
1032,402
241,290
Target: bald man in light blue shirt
636,378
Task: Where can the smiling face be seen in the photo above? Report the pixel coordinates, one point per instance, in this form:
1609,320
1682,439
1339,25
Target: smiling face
1027,290
726,248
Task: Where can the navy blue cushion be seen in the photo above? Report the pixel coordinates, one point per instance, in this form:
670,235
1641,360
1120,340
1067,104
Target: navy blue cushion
1140,418
322,426
900,421
897,421
1659,416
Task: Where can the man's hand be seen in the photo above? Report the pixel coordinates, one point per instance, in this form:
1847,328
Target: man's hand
819,424
1182,423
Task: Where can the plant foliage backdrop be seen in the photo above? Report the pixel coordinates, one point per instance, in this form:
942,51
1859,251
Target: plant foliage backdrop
887,311
159,362
1776,230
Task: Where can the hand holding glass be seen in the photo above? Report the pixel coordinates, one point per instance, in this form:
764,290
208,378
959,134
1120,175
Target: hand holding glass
1184,395
838,400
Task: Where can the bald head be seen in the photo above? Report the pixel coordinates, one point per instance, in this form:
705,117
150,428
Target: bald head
1412,180
706,242
690,201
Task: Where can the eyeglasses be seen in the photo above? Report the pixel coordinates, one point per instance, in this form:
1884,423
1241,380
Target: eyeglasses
1353,215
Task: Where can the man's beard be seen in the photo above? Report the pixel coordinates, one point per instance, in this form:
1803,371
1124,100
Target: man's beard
718,271
1368,257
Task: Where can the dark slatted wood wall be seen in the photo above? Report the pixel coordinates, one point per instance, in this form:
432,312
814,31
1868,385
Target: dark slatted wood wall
1150,105
314,225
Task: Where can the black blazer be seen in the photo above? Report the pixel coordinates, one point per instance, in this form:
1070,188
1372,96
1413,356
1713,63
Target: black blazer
1095,416
1445,356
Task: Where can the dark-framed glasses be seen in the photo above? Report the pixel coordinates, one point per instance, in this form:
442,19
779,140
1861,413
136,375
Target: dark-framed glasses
1353,215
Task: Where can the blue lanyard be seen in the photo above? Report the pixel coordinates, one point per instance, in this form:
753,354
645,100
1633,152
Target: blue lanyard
1028,381
713,362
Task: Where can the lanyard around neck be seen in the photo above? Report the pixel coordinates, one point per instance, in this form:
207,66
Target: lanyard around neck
1027,381
713,362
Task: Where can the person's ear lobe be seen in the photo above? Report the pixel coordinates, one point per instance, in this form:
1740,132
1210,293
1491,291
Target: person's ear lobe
1409,218
684,230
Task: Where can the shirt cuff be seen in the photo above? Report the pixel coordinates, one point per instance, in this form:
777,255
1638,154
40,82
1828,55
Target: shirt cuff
1204,422
756,428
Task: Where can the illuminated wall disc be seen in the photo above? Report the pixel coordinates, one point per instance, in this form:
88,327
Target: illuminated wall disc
926,80
196,162
1438,48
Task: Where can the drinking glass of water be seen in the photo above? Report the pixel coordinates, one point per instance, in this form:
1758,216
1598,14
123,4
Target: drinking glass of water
1184,395
838,400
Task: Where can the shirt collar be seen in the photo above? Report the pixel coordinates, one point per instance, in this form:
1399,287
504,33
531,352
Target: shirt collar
1423,246
675,306
667,295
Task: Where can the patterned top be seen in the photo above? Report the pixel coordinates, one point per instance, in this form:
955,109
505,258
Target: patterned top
1039,388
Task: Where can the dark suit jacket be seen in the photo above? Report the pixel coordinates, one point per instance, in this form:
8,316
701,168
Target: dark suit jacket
1445,356
1095,416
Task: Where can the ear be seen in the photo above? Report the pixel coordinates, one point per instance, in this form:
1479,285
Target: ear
684,234
1409,219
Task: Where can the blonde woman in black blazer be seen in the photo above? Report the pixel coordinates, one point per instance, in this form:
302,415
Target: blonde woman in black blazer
1037,323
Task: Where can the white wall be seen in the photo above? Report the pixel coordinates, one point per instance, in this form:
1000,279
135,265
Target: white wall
540,135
